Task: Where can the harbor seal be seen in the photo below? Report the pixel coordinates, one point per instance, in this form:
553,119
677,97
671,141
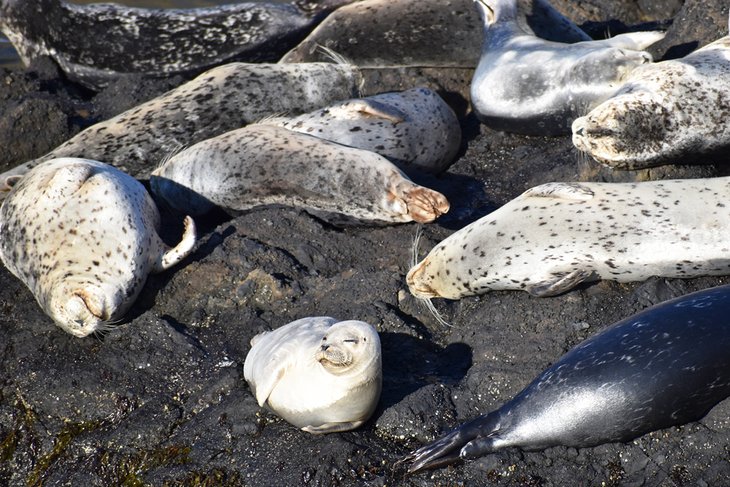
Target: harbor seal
159,42
529,85
557,235
413,128
82,236
319,374
667,365
381,33
665,112
268,165
222,99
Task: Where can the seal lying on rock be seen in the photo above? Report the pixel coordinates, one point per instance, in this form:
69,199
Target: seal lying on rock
413,128
529,85
319,374
423,33
665,366
222,99
263,165
157,42
665,111
82,236
557,235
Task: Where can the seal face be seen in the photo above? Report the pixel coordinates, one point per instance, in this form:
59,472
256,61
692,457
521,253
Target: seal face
159,42
664,111
264,165
529,85
222,99
413,128
83,237
665,366
557,235
319,374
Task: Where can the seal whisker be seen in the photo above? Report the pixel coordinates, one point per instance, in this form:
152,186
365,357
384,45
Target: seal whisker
333,56
434,312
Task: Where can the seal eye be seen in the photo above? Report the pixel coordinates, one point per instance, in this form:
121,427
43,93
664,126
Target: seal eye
351,340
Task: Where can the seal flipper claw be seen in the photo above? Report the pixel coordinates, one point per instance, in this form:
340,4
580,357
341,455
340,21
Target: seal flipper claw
559,283
181,250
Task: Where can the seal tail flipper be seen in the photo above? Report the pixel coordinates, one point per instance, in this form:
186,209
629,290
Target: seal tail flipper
559,283
448,449
177,253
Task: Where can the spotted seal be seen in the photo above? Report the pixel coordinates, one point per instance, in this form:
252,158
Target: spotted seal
413,128
664,113
157,42
319,374
380,33
222,99
665,366
529,85
557,235
82,236
264,164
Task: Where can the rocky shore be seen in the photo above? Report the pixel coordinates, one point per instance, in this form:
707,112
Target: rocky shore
161,400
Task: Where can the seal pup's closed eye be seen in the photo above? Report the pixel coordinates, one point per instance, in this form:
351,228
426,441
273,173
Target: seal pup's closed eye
319,374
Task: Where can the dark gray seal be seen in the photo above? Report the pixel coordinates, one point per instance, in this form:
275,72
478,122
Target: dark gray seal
413,128
268,165
529,85
219,100
665,366
94,44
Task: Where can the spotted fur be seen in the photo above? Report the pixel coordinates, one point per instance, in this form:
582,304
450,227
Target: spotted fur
222,99
319,374
263,165
82,236
158,42
529,85
558,235
665,112
413,128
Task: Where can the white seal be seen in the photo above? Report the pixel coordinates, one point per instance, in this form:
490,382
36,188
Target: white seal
665,112
557,235
82,236
530,85
319,374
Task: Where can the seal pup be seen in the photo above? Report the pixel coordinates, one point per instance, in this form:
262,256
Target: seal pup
268,165
664,112
381,33
159,42
222,99
413,128
82,236
319,374
557,235
667,365
529,85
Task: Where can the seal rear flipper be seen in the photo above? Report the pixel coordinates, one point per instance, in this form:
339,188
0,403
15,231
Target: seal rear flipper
180,251
448,449
567,191
559,283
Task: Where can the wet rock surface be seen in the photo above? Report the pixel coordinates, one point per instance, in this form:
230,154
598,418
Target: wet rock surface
161,398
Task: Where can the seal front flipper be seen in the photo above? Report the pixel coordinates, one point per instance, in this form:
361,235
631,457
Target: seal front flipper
568,191
332,427
177,253
372,108
559,283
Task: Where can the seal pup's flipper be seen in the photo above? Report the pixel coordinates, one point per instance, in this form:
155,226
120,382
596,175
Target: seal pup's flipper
372,108
332,427
636,41
559,283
